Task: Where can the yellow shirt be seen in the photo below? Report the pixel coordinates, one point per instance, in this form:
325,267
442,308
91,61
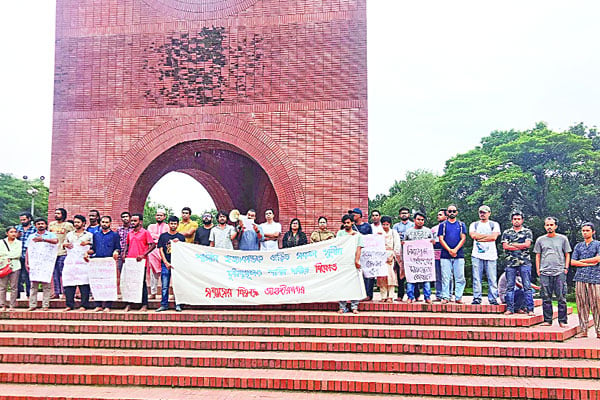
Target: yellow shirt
60,229
184,227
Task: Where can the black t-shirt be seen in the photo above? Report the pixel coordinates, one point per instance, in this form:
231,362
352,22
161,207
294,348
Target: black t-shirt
202,235
164,242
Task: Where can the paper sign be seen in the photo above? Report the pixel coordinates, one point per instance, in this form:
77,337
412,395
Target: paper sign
132,280
103,278
419,261
373,256
76,269
42,257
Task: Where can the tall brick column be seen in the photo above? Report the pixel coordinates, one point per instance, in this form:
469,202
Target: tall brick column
264,102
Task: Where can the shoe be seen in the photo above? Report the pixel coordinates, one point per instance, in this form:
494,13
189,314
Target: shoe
355,311
81,309
45,308
476,302
507,312
106,310
493,303
531,313
562,324
459,301
161,309
32,309
54,296
97,309
444,301
428,301
546,323
178,309
341,311
67,309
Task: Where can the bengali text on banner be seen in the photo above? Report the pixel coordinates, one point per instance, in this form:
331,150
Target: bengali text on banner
318,272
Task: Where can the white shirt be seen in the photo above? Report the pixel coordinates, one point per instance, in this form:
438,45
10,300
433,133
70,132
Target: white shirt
270,229
484,250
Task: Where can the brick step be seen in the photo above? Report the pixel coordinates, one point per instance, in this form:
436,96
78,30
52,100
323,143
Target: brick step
467,307
339,381
387,318
360,362
576,348
537,333
83,392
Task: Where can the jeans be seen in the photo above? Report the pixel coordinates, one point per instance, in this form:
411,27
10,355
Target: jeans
70,296
57,275
165,279
344,305
410,290
369,285
489,266
24,278
456,267
556,285
511,275
439,280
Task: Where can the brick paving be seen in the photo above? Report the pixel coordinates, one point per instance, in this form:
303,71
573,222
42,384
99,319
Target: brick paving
305,351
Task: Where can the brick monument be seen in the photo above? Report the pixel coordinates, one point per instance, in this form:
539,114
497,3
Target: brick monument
264,102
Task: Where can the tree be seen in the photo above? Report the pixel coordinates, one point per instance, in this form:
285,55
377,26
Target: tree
150,209
14,199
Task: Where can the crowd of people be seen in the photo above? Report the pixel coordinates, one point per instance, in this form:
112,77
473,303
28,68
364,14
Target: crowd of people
553,255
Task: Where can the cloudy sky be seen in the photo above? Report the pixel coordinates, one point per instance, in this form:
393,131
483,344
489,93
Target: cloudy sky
442,74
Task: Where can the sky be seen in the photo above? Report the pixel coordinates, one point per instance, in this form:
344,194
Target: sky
442,75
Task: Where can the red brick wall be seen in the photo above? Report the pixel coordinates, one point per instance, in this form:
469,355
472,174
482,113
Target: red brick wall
264,102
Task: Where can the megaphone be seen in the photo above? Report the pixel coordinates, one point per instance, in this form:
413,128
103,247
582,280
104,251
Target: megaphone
234,216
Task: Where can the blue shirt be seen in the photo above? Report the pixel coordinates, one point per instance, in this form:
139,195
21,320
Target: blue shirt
249,240
104,244
402,227
25,236
93,229
364,228
451,233
581,252
46,235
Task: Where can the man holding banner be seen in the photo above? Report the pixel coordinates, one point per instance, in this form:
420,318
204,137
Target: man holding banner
75,271
348,224
105,250
39,261
164,247
417,268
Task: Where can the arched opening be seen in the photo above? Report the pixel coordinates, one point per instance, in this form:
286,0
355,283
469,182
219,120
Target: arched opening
231,177
179,189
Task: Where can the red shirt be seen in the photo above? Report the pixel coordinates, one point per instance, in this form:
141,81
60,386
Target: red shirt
138,243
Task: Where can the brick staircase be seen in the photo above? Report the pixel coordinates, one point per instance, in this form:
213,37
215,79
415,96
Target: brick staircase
295,351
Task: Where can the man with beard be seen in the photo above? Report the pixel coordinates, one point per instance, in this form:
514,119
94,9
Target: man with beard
139,245
60,227
222,235
362,227
249,238
552,262
106,243
41,235
452,234
484,255
376,226
187,227
516,242
418,232
203,233
79,237
154,260
348,230
94,217
401,227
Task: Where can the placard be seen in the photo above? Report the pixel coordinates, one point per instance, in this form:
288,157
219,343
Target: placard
373,256
317,272
76,269
103,278
41,257
419,261
132,280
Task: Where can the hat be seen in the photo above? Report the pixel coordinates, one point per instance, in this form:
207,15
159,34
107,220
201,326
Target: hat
161,211
356,211
485,209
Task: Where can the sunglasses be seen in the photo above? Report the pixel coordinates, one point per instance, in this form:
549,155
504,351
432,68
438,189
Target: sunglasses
452,211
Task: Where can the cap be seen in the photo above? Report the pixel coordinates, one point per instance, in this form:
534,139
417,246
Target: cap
485,209
356,211
161,211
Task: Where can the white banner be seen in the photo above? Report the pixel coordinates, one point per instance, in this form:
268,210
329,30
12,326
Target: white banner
132,280
373,256
103,279
317,272
75,270
419,261
41,257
